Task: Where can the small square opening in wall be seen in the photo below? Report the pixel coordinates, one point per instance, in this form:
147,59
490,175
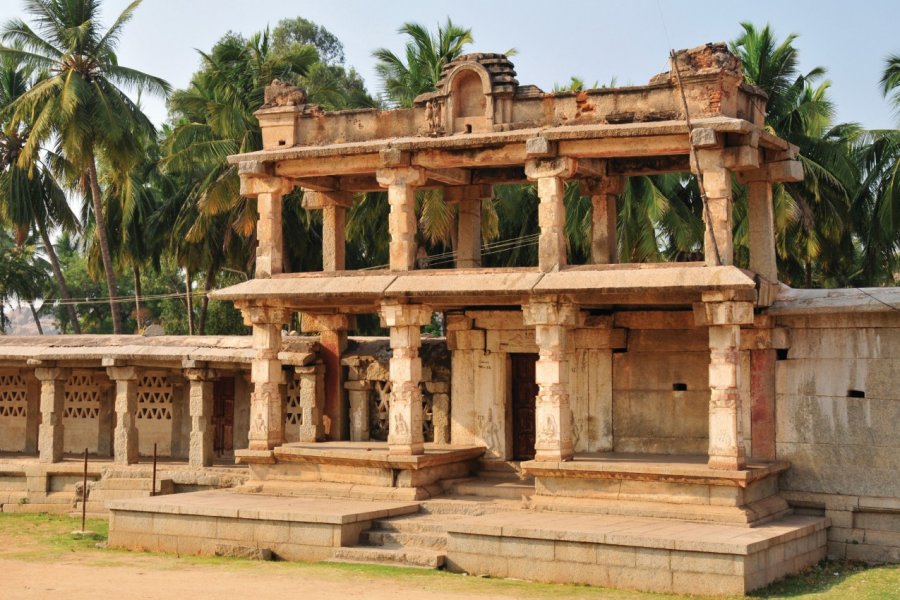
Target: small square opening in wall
679,387
856,394
781,354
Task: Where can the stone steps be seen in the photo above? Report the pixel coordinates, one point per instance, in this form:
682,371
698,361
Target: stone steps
502,488
418,523
434,541
468,506
399,556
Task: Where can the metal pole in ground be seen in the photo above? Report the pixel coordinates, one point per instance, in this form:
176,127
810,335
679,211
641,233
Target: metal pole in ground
153,485
84,492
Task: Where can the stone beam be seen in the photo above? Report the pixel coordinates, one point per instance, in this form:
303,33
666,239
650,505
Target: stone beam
449,176
614,147
324,166
507,155
319,184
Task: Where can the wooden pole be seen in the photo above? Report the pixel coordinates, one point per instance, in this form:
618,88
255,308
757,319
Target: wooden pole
84,492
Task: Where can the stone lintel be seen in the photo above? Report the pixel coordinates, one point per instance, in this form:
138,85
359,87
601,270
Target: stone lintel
401,176
561,166
395,314
723,313
393,157
774,172
200,374
255,314
316,322
254,186
317,200
741,158
461,193
123,373
255,168
450,176
552,311
539,147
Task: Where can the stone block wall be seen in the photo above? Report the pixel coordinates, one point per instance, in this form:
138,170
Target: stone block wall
837,416
368,388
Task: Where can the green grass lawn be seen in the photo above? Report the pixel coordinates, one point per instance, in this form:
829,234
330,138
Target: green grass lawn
42,537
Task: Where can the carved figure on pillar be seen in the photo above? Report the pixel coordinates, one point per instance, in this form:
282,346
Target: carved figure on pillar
266,402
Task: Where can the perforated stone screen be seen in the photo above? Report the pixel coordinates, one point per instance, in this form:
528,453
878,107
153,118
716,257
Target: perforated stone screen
82,397
13,396
155,398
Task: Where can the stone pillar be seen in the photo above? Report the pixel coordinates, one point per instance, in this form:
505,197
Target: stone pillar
332,330
401,183
267,398
550,174
405,322
268,191
762,228
604,242
724,317
32,413
333,237
53,397
552,319
107,418
717,182
125,436
763,356
201,384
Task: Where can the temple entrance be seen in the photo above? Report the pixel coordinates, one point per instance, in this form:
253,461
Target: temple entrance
223,416
524,391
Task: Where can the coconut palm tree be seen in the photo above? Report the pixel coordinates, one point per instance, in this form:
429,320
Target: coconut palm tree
30,197
82,103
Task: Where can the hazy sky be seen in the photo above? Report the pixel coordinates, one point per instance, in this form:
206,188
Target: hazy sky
595,40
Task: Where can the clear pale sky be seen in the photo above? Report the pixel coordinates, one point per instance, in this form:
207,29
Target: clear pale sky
595,40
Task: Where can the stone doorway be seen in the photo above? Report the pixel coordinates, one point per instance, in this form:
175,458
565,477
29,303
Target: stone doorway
223,416
524,391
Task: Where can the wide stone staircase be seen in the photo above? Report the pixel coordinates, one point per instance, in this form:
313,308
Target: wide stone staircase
119,485
420,540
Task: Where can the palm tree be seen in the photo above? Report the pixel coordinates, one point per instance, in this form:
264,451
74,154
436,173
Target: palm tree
82,103
814,240
22,277
425,56
31,197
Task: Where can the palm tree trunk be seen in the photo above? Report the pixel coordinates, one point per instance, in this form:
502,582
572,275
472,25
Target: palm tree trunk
58,274
204,302
190,300
104,247
138,292
37,320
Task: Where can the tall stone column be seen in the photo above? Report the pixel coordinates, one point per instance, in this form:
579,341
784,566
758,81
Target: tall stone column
405,322
267,398
53,396
762,227
332,330
32,412
201,449
550,174
552,319
718,232
333,237
125,436
401,183
268,191
724,317
603,192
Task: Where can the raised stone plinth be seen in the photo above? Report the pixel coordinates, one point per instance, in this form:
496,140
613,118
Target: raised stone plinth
202,523
356,469
665,486
655,555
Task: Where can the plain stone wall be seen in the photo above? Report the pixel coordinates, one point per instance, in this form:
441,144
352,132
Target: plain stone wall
844,450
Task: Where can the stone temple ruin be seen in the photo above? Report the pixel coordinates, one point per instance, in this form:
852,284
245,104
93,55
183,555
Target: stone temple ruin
678,427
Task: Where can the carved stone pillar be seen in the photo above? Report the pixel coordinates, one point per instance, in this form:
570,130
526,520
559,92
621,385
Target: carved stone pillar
125,436
550,174
724,317
717,182
603,192
762,225
268,192
405,429
401,183
468,199
552,320
332,330
201,451
266,400
50,434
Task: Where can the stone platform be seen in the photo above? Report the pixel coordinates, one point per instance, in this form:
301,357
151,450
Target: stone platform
656,485
356,469
226,522
656,555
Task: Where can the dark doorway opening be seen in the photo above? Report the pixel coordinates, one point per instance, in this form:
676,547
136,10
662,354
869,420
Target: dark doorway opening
524,391
223,416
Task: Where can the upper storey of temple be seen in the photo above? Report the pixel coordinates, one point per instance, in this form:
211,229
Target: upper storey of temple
479,94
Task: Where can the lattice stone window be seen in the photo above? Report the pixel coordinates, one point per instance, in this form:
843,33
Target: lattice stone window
82,397
13,396
293,413
155,398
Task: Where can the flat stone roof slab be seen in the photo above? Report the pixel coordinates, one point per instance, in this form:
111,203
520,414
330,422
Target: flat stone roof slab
230,504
